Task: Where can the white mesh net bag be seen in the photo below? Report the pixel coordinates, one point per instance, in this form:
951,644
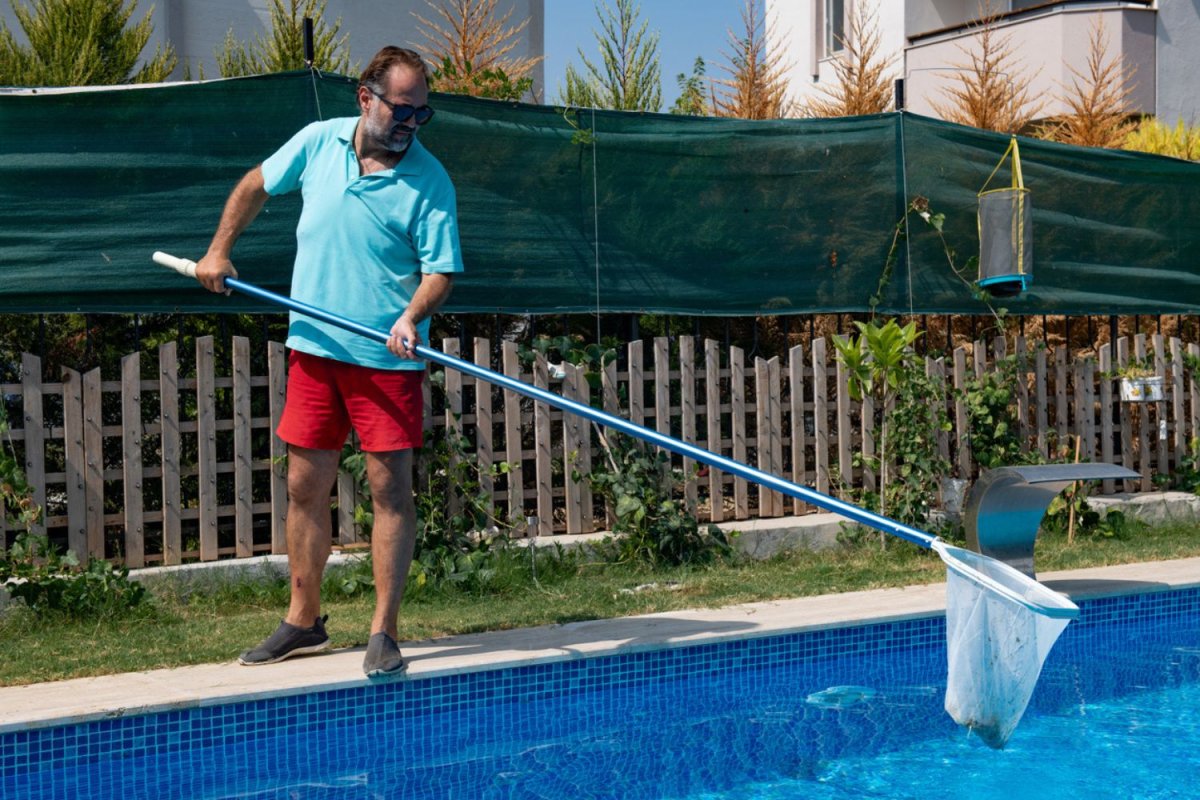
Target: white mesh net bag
1000,626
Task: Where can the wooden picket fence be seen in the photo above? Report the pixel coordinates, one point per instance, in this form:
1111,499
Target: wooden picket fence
178,467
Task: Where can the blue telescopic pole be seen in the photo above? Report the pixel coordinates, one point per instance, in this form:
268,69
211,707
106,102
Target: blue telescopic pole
851,512
773,482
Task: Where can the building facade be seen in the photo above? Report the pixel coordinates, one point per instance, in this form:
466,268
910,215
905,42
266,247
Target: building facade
927,42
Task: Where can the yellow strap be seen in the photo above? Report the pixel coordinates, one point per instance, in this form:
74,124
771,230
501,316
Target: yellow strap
1018,181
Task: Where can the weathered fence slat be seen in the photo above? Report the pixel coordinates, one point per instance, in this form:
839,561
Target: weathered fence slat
820,384
687,414
737,385
35,433
1194,393
277,389
1127,459
242,456
1060,396
1106,414
347,531
798,437
131,452
962,444
542,457
845,431
1041,392
1178,419
168,421
763,433
712,419
515,479
775,432
637,383
612,405
93,471
206,446
454,425
1022,363
662,389
483,423
1143,416
572,435
74,460
1162,462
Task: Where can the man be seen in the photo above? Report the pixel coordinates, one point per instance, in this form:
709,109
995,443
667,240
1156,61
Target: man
377,242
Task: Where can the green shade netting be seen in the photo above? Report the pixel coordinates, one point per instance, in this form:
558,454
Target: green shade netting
573,210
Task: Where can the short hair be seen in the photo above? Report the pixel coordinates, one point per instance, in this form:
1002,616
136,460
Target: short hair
390,56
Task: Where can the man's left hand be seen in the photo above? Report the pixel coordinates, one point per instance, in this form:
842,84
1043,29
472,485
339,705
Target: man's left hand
403,337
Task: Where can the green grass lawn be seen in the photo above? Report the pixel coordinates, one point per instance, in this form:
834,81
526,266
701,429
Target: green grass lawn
197,625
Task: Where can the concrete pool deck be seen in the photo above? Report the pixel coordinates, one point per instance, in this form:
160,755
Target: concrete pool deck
88,699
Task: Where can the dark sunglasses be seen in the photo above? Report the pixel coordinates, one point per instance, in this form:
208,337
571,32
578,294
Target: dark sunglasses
403,113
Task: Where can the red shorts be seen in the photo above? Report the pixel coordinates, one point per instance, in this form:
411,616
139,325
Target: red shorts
326,397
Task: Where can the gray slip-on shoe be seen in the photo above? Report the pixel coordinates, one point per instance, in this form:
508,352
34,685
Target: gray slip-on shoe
383,656
287,641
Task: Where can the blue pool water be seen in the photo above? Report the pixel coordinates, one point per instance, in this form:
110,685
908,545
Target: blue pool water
852,713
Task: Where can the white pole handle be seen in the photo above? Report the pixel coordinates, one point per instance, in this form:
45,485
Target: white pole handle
180,265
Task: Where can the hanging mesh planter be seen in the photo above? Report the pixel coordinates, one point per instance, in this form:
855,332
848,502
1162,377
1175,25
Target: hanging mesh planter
1006,232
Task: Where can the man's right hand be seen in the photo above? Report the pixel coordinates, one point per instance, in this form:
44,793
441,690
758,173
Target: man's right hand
212,270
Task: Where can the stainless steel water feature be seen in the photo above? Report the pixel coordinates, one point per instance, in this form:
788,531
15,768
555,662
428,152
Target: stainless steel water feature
1005,506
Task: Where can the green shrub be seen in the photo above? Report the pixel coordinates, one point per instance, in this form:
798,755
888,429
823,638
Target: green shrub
1152,136
658,528
50,582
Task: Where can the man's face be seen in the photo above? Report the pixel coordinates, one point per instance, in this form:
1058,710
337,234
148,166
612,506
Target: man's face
402,86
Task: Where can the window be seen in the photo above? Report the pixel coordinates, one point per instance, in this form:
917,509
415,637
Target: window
835,26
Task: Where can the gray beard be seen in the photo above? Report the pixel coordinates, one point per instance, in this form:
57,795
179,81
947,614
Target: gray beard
385,141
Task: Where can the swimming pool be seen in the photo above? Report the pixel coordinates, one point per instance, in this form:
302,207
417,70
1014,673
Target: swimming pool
849,712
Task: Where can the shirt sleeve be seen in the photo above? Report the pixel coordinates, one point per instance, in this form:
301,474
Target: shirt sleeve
436,239
283,170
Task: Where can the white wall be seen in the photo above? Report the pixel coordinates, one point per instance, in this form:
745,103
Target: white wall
1045,49
800,26
1178,84
196,28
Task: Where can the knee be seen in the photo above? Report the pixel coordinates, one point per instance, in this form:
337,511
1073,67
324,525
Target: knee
396,501
306,492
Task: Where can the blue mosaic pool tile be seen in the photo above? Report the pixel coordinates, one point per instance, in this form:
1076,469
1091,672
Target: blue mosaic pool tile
813,652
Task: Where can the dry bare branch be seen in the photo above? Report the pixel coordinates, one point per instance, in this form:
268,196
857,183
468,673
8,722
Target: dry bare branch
757,86
474,37
863,74
1098,100
992,91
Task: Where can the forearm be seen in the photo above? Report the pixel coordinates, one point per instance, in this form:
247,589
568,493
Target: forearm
433,290
431,293
244,203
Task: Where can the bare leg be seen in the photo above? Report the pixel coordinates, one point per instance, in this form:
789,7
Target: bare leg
393,535
311,474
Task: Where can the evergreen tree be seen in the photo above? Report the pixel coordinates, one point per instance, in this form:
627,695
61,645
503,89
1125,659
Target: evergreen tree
630,78
80,43
691,100
284,49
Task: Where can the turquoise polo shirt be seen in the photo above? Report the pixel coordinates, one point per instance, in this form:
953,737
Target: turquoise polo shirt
363,241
